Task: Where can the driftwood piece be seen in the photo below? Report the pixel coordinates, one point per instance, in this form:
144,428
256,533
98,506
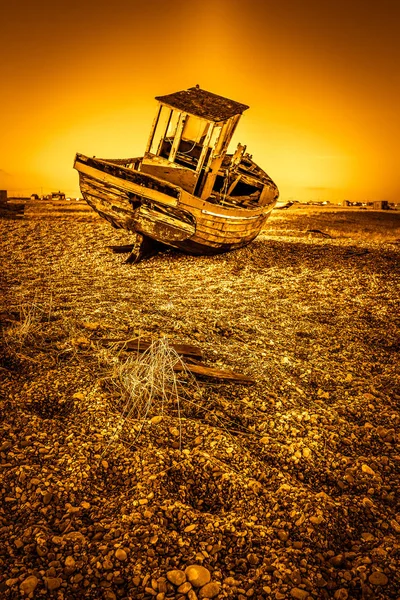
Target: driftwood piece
142,344
212,372
189,359
351,253
323,233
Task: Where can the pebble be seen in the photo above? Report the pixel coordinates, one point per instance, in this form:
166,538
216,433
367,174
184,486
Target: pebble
29,585
378,578
366,469
53,583
121,554
185,587
70,562
210,590
230,581
299,594
283,535
341,594
156,420
395,525
197,575
47,498
337,560
176,576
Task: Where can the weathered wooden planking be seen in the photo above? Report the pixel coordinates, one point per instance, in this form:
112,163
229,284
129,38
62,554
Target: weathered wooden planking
213,372
124,184
162,226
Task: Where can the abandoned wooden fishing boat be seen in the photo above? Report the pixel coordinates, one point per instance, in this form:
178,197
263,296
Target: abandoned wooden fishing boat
186,191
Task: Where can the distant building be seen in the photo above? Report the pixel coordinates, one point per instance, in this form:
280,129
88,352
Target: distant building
56,196
381,205
3,196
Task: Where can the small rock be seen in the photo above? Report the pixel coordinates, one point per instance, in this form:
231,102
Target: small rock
176,576
69,565
120,554
185,587
91,326
210,590
75,536
367,503
366,469
367,592
190,528
29,584
300,521
230,581
320,581
197,575
253,559
299,594
395,525
53,583
341,594
337,560
316,520
378,578
156,420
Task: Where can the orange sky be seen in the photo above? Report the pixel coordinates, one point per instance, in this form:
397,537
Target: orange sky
322,80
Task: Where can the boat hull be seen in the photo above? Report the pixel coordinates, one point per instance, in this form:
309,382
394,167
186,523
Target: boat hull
153,208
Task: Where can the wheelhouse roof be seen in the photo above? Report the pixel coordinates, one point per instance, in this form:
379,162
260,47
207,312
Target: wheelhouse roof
201,103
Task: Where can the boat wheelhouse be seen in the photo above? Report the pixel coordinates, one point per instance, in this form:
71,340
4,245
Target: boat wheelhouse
186,191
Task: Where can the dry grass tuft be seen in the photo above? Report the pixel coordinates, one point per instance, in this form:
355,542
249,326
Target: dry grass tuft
147,389
29,324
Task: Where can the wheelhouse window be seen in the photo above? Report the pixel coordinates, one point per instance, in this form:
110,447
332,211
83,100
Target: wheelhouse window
192,140
164,126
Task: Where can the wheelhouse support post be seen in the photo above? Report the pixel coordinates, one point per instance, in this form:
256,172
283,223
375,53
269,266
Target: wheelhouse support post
178,136
153,129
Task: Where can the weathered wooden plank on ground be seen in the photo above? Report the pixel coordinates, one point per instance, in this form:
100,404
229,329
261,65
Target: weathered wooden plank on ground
212,372
142,344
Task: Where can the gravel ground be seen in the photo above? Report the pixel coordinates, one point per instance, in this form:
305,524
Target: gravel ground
286,488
